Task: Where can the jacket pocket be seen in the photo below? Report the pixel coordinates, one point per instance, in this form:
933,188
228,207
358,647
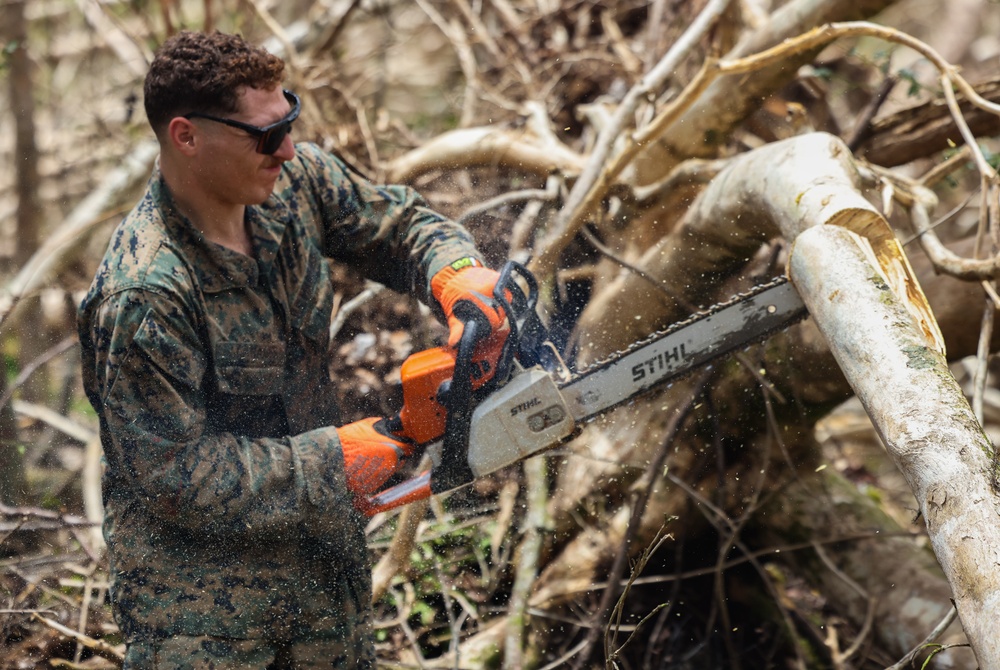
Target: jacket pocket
247,398
249,369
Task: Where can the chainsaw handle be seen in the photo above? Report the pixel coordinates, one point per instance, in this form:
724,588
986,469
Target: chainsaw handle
454,470
528,336
412,490
520,306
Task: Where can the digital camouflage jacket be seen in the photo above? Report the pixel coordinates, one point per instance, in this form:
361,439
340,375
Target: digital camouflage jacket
226,507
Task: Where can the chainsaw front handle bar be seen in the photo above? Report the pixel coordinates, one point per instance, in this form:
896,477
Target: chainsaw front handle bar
454,470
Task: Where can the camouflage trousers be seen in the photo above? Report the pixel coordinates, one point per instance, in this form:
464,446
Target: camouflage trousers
214,653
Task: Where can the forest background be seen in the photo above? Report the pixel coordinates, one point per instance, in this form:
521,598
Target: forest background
638,155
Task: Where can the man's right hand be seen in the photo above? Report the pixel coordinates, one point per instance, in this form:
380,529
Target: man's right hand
371,454
464,290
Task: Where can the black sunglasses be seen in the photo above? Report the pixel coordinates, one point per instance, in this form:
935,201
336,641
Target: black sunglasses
270,137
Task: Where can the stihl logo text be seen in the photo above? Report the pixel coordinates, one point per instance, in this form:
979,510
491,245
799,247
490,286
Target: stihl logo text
528,404
657,363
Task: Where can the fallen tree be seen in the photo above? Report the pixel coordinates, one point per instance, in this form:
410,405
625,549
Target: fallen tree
782,189
778,191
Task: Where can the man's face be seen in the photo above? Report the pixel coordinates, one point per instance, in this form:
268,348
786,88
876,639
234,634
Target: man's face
229,166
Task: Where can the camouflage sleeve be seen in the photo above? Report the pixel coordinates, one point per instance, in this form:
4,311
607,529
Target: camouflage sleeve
150,380
387,232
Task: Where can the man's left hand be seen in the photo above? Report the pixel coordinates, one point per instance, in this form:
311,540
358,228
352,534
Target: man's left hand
372,454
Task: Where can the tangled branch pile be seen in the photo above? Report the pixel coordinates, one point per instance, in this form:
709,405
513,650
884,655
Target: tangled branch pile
616,147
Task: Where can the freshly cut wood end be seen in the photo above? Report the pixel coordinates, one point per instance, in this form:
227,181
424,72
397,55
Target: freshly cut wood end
887,256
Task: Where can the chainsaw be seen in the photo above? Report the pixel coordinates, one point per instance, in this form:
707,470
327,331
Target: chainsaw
483,405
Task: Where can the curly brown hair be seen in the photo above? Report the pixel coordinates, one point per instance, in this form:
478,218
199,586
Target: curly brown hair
202,72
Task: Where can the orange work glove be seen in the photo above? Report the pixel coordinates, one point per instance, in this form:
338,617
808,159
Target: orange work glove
464,290
371,454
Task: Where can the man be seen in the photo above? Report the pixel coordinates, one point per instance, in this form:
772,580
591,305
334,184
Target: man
229,490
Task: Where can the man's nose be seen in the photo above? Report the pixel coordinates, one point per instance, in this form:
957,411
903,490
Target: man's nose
286,151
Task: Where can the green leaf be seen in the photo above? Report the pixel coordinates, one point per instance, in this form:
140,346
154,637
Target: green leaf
915,86
424,611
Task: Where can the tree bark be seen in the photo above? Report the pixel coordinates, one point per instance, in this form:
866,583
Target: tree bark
926,129
920,413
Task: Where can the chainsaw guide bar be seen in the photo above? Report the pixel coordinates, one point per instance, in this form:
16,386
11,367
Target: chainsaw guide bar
688,345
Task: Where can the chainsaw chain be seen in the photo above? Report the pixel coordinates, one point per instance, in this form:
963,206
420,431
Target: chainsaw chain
697,316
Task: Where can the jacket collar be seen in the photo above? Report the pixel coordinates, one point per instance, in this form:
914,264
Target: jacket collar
217,268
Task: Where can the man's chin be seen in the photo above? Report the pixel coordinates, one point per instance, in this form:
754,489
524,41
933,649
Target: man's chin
260,196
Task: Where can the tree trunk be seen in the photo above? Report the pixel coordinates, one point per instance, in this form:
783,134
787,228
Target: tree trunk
703,129
13,487
22,93
920,413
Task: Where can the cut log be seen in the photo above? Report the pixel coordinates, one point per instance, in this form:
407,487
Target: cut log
920,413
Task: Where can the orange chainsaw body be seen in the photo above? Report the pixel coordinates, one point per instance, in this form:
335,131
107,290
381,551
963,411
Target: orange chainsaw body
426,376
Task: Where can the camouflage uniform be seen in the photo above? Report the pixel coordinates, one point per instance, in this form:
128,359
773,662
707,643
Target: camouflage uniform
227,513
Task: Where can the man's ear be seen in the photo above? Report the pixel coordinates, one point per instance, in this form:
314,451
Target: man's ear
183,135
